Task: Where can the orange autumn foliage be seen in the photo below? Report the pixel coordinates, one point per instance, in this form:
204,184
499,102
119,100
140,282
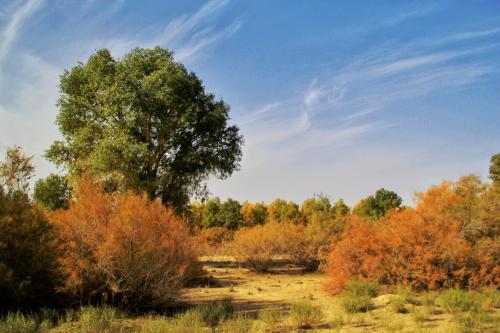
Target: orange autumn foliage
123,249
422,248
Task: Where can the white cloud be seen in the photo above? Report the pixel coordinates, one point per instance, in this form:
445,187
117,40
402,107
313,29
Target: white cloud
14,25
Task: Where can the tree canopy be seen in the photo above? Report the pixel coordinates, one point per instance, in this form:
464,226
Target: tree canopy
375,206
143,122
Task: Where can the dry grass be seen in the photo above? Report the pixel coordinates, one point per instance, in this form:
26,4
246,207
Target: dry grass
269,303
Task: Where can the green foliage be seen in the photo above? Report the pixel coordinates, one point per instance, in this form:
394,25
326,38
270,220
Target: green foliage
357,296
52,192
214,313
305,315
280,210
495,168
143,122
231,217
341,209
378,205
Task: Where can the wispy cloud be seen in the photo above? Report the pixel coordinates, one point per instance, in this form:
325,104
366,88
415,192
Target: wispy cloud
13,26
345,107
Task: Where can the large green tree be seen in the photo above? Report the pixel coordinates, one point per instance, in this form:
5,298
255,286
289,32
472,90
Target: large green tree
143,122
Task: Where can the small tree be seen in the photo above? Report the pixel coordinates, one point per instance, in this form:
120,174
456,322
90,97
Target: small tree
28,273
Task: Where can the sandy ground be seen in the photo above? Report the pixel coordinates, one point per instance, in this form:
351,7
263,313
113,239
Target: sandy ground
253,292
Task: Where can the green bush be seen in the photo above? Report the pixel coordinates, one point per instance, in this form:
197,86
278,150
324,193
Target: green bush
456,300
96,319
362,288
190,321
357,296
305,315
215,312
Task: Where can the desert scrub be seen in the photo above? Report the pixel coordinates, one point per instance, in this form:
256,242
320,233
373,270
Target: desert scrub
474,321
305,315
97,319
456,301
490,299
153,324
357,296
404,296
18,323
429,298
216,312
239,324
190,321
271,319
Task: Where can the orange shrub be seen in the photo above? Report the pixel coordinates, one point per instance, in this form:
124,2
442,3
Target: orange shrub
423,248
213,239
123,249
259,245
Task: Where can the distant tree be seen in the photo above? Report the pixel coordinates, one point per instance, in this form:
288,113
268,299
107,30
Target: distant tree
195,215
230,214
212,213
495,168
143,122
341,209
280,210
376,206
52,192
318,204
254,214
16,171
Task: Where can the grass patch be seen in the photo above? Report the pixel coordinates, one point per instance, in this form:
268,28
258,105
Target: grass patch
405,296
456,301
18,323
239,324
305,315
357,297
97,319
214,313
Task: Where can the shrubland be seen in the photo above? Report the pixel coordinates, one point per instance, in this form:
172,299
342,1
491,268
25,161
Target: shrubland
122,248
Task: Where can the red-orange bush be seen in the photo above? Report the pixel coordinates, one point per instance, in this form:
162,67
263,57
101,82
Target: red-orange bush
123,249
410,247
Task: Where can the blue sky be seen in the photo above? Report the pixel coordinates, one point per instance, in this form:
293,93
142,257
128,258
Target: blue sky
333,97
